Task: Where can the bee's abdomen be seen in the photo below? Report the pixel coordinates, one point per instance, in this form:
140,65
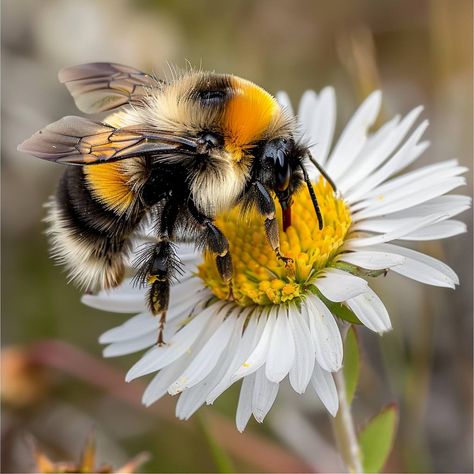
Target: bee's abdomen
88,237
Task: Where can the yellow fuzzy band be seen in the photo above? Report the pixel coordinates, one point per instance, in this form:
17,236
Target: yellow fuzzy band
248,115
108,183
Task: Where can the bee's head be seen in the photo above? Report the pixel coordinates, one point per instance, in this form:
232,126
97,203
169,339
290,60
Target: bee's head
282,157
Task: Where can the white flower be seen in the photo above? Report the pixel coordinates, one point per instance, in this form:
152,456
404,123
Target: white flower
284,323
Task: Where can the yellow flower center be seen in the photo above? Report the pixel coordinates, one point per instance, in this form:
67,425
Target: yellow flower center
259,277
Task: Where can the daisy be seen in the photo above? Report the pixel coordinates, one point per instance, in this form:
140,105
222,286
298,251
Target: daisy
284,322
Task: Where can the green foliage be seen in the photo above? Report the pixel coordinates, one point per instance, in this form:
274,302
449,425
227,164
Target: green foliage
377,437
221,459
343,312
351,367
338,309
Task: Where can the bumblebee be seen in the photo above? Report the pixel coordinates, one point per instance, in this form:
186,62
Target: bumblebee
179,153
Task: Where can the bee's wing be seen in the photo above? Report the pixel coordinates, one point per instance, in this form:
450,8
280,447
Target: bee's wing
79,141
99,87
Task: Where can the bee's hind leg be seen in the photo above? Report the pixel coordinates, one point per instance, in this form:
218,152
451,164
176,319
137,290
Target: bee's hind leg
158,265
215,242
159,280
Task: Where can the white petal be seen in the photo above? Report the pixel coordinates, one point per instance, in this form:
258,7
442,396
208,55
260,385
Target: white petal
371,260
162,380
440,230
409,194
248,342
284,100
373,142
264,395
178,366
126,298
320,130
129,298
281,353
192,398
186,292
371,312
188,252
143,323
376,156
409,151
190,401
401,231
306,112
244,407
140,324
383,225
422,268
160,357
440,171
206,359
131,345
337,285
300,373
354,136
324,385
325,332
259,355
450,204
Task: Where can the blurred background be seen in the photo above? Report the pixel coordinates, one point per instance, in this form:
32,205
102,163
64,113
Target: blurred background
56,387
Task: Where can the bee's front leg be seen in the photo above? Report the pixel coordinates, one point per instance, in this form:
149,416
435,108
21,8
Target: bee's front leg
266,207
215,241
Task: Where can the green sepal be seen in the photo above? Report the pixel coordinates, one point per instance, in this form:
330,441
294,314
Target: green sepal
338,309
342,312
351,368
377,437
358,271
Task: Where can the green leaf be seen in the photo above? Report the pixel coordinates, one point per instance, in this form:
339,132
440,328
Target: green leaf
351,367
377,437
338,309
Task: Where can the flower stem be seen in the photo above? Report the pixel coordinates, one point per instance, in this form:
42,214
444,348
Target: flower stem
222,460
344,429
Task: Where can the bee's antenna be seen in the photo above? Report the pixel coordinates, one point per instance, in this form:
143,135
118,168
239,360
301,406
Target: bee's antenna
321,170
314,199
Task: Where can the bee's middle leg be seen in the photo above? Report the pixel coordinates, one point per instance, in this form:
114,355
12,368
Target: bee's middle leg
216,243
266,207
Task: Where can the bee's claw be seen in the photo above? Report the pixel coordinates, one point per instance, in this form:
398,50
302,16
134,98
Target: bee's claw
286,260
230,296
160,340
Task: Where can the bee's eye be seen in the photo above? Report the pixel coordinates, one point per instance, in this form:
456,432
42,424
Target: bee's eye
282,171
210,140
212,97
277,152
